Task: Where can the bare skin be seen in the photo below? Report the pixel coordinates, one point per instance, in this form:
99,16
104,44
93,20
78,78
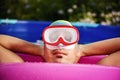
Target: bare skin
9,46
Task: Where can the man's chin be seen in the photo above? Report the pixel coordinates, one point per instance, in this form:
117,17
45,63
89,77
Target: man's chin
62,61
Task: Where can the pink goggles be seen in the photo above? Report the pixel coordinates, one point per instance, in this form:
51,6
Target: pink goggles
54,35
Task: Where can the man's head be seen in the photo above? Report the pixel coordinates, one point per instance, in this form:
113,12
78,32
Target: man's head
60,39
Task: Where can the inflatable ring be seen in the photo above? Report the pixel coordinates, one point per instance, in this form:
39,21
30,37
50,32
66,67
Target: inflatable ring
54,71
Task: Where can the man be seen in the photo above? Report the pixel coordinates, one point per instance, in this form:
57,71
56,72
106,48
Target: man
60,46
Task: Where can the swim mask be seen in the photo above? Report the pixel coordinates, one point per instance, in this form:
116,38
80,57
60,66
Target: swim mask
61,34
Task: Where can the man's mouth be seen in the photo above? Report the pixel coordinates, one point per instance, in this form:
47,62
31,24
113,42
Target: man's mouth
59,56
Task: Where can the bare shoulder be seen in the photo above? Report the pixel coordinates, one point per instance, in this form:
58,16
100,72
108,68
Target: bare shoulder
101,47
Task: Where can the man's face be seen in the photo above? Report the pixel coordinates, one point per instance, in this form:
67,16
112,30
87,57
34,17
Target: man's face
61,44
62,55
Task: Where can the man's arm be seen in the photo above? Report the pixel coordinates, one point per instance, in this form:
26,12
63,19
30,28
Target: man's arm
101,47
20,46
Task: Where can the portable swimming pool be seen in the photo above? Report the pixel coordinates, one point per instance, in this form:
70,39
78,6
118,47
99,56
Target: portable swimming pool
31,30
35,69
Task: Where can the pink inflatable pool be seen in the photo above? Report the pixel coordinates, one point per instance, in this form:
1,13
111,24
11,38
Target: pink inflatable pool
35,69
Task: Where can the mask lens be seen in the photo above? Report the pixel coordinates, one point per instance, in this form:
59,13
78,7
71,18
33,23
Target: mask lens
67,36
54,36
